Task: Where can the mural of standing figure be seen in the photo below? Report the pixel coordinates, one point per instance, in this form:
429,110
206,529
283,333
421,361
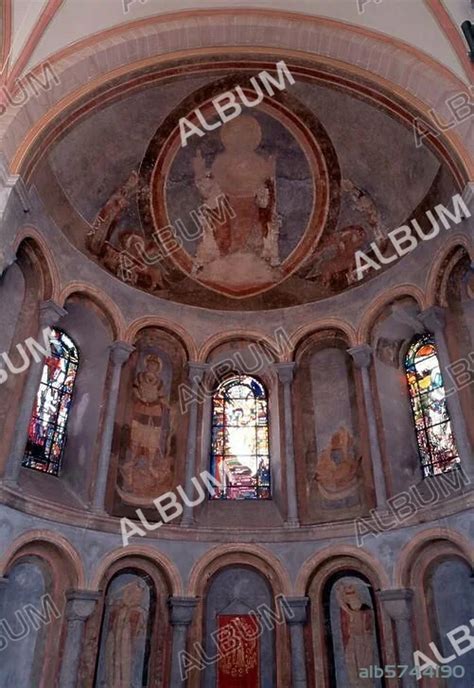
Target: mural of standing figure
126,630
147,466
358,633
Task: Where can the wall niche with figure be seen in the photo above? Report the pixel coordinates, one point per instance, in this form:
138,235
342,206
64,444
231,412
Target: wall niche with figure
148,452
328,437
126,639
344,631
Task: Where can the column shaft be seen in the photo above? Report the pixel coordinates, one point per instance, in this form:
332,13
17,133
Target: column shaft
290,458
120,352
79,606
196,372
362,356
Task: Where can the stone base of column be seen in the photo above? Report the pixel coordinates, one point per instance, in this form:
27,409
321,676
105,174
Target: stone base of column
291,523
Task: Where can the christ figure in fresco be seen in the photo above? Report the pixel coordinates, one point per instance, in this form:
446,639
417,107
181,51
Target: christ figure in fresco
358,633
247,179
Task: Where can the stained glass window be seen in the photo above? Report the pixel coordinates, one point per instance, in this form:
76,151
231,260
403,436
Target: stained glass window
428,401
240,450
47,429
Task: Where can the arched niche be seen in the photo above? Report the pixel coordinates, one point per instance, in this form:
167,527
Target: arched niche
457,294
390,336
239,356
32,616
439,570
330,440
233,595
127,638
89,328
23,286
450,600
348,630
149,442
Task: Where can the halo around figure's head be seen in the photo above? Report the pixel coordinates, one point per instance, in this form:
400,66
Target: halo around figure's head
153,358
242,134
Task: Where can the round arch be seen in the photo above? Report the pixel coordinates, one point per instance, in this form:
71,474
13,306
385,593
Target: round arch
169,326
377,305
158,559
35,542
253,555
424,86
104,303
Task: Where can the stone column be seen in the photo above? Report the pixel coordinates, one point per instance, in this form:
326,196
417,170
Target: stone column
434,320
285,374
362,356
182,612
398,605
195,375
3,590
49,315
119,354
79,606
296,617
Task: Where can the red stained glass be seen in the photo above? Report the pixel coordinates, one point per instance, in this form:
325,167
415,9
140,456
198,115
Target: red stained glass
47,429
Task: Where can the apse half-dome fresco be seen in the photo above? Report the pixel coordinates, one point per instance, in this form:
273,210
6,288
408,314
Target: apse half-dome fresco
266,210
236,344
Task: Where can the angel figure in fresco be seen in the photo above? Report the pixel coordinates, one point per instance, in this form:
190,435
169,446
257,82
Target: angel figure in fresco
147,467
126,628
358,632
337,466
247,179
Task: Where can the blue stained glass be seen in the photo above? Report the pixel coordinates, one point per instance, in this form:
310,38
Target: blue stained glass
434,434
47,429
240,457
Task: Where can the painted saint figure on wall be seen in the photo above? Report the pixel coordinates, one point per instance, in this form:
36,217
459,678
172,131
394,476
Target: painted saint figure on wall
357,627
147,468
122,657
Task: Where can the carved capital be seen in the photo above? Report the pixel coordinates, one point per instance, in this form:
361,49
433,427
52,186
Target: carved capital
362,355
296,610
50,313
285,372
120,352
197,370
397,603
80,604
182,610
433,319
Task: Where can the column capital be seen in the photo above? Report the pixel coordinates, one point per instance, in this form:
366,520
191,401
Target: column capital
197,370
397,602
182,610
298,608
433,318
120,352
285,371
50,313
80,604
362,355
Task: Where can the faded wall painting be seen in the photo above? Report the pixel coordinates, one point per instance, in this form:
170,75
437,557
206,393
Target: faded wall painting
146,444
261,173
351,626
329,439
124,640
